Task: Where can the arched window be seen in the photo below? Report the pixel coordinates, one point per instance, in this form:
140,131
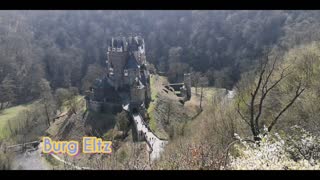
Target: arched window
126,73
111,71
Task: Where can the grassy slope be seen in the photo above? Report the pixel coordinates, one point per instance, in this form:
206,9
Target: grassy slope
11,114
208,94
192,106
154,84
204,130
179,113
58,124
80,101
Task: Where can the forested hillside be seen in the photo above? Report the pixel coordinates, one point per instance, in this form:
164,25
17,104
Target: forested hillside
67,47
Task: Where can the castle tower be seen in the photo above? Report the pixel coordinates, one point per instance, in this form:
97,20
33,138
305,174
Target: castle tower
127,77
117,56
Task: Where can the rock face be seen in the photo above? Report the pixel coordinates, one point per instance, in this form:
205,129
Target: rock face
126,79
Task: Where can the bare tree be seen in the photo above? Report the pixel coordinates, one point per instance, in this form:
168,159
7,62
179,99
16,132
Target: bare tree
27,125
261,90
7,94
202,82
195,79
168,107
46,99
72,100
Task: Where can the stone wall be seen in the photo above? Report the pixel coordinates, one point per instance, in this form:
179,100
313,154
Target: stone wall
137,95
118,61
104,106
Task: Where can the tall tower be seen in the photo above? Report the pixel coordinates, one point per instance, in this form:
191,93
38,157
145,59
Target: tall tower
117,59
125,56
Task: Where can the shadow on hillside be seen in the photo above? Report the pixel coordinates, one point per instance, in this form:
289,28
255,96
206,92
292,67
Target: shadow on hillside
99,123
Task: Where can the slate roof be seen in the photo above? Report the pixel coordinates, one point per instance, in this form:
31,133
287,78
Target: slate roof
102,83
143,79
132,63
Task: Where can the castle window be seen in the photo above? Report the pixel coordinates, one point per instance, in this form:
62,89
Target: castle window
111,71
126,72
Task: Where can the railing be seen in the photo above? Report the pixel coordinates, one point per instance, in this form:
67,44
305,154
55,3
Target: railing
23,146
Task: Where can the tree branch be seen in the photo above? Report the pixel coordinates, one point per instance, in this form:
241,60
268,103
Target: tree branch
241,115
254,126
299,91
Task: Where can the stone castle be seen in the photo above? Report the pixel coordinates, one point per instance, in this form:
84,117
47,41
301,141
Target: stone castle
126,83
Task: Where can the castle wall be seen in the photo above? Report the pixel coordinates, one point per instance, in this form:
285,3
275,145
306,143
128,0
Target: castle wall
118,61
133,73
148,91
126,80
137,56
143,59
137,95
111,107
101,107
94,105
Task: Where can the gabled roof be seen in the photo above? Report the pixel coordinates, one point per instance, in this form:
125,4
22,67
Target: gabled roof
102,83
132,62
98,83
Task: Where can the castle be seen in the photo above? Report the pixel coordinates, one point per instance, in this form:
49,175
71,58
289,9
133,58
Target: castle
126,85
126,81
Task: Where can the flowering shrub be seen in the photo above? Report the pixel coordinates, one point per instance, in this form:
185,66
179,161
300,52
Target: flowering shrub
298,151
302,145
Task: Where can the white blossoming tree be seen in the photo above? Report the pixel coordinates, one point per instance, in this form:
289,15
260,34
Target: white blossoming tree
295,152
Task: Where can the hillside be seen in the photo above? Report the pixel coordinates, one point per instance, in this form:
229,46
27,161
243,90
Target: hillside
167,114
21,123
9,115
204,138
